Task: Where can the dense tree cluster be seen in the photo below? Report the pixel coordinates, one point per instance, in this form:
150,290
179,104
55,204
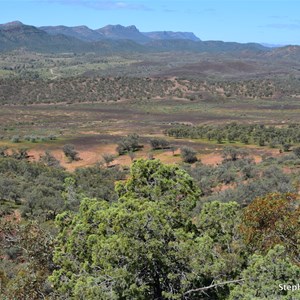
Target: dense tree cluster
37,188
247,134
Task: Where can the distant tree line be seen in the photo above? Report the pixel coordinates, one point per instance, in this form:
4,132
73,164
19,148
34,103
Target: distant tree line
258,134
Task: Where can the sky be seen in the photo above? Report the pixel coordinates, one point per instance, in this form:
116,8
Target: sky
263,21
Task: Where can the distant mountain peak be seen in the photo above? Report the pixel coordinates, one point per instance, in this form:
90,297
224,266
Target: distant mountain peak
132,27
81,27
12,24
119,27
123,32
171,35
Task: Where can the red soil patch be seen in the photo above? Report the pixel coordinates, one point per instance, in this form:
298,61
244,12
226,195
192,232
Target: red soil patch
91,151
211,159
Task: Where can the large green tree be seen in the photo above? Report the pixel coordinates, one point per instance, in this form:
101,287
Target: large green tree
154,181
148,244
143,246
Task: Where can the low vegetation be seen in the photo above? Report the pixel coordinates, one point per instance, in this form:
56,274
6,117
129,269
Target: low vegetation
156,217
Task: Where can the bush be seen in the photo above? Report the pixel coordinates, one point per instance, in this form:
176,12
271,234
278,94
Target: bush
108,158
128,144
188,155
15,139
297,151
159,143
286,147
70,152
49,160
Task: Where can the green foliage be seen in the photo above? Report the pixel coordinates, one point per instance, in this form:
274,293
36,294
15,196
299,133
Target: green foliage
159,143
264,275
145,245
220,222
128,144
134,249
49,160
254,134
140,247
188,154
35,188
26,252
152,180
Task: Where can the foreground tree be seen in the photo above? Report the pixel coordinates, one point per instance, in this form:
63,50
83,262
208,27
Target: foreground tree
144,246
133,249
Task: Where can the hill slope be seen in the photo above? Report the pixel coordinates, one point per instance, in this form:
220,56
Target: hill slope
80,32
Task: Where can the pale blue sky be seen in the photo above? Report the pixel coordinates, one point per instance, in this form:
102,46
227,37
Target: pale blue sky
266,21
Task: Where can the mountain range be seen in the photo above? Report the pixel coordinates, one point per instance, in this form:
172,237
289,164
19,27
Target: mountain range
117,32
120,39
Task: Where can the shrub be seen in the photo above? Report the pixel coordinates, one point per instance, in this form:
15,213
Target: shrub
188,155
129,143
15,139
159,143
297,151
108,158
70,152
